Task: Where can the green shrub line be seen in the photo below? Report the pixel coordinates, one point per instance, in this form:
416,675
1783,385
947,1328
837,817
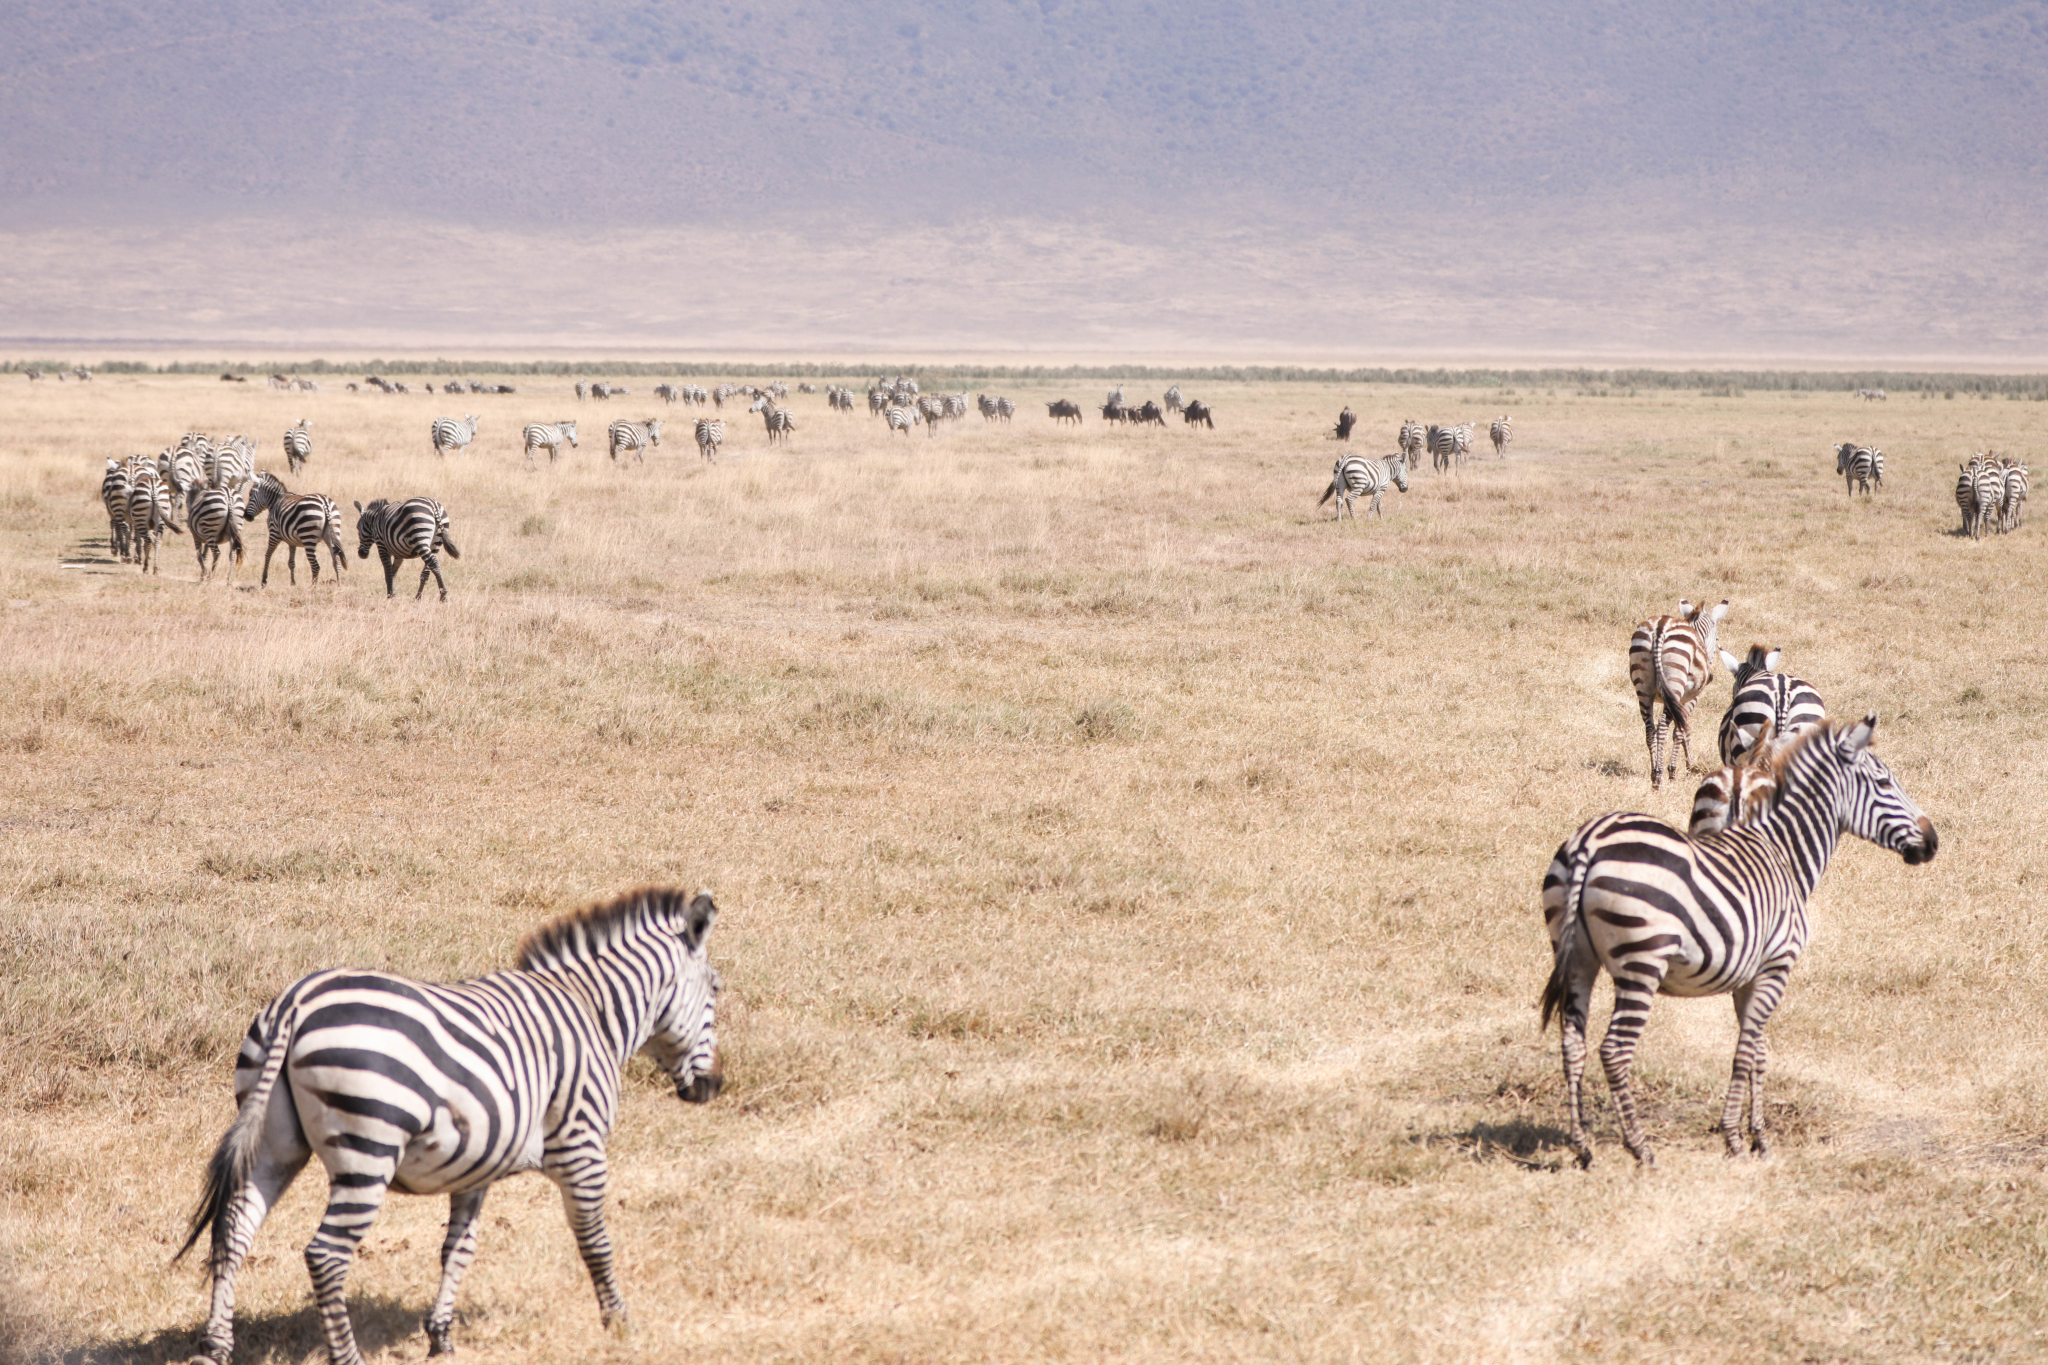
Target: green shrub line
1727,383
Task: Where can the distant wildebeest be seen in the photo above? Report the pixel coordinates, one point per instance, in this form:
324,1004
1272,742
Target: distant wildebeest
600,391
666,393
33,375
232,379
1346,420
1064,410
1150,413
1197,412
1115,412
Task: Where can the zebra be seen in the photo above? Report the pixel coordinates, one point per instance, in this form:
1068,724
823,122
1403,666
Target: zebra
901,419
539,436
1005,409
1356,477
931,407
1115,398
1414,441
150,514
114,497
232,464
450,434
448,1089
1443,446
1856,464
297,521
1502,432
414,529
1876,395
211,514
1765,701
634,436
33,375
1743,791
987,407
778,420
298,446
710,436
180,469
1662,913
582,391
1671,659
2016,484
1966,498
1990,481
667,393
1174,401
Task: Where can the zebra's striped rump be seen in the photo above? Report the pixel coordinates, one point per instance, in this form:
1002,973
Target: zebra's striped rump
1766,702
1670,661
212,515
1356,477
414,529
447,1089
297,521
1663,913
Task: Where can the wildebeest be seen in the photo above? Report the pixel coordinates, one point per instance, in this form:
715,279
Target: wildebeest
1151,412
1346,420
1115,412
1198,412
1063,410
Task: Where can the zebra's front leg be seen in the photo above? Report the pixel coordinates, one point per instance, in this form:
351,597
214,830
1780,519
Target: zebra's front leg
458,1249
1754,1004
1635,987
353,1199
390,564
583,1191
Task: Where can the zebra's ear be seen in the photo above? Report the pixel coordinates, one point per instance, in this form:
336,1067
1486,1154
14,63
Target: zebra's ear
1771,660
1857,737
359,507
1720,611
1729,661
703,913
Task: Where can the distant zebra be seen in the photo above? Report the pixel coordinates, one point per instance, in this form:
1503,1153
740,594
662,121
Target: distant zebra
636,437
1766,702
33,375
1174,401
987,406
1357,477
582,391
150,514
1005,409
1502,432
404,1085
710,436
931,408
1990,480
1671,660
450,434
1873,394
667,393
1443,446
901,419
1115,398
297,521
2016,483
212,514
778,421
603,391
1660,912
541,436
298,446
414,529
1857,465
114,486
1414,442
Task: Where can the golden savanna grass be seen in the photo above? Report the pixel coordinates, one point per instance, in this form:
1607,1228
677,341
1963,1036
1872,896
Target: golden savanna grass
1128,877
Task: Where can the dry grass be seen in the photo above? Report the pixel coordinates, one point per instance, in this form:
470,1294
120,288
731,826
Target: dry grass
1129,879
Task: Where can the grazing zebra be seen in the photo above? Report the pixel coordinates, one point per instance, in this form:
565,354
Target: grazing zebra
1357,477
114,486
298,446
1198,413
447,1089
1502,431
297,521
1174,401
635,436
2016,484
710,436
450,434
901,419
540,436
1660,912
1346,420
1857,465
149,516
211,514
414,529
1765,702
1671,659
1414,441
1873,394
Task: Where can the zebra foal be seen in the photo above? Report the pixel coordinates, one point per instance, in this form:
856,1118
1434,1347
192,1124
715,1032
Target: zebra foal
1665,914
448,1089
414,529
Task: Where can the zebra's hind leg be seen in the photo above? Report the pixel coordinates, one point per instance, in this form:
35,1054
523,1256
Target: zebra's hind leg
1681,743
1653,735
353,1200
1635,987
1753,1006
583,1190
431,565
1584,970
458,1249
283,1155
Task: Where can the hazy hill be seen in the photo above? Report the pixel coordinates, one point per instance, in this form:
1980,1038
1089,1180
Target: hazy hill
1444,139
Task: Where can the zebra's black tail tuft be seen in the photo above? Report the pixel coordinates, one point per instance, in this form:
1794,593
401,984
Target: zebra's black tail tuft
235,1157
1579,862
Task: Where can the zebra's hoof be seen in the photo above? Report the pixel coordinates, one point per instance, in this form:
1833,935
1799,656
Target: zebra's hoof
1585,1158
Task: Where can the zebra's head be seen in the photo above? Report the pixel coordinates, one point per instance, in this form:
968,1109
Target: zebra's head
1871,804
1842,454
1760,660
684,1041
1398,467
366,526
263,491
569,431
1707,621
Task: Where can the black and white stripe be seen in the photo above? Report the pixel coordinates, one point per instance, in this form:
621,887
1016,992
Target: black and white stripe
1660,912
422,1088
1857,465
543,436
902,419
114,497
635,436
1358,477
710,436
212,515
298,446
1766,702
150,514
414,529
1414,442
1670,661
450,434
1502,431
297,521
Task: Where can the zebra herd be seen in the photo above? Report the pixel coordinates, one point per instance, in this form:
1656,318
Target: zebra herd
216,486
1721,908
1357,477
1991,492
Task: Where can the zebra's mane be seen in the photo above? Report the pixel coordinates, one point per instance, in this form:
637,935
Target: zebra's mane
582,934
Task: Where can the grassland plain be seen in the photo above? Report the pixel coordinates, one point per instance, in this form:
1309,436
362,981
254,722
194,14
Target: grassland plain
1129,877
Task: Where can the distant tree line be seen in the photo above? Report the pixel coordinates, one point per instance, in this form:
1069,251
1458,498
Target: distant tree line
1619,382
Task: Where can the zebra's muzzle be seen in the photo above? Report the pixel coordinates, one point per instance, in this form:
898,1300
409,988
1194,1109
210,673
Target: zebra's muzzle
1923,852
704,1086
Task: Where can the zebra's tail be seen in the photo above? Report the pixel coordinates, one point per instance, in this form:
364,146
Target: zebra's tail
235,1157
448,544
1579,862
1329,492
